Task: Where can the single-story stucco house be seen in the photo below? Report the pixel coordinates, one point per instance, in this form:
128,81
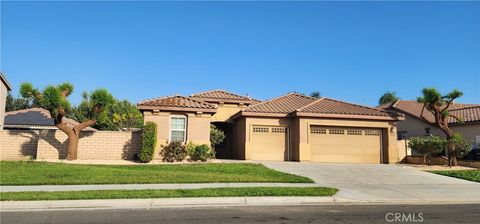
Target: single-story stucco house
292,127
414,125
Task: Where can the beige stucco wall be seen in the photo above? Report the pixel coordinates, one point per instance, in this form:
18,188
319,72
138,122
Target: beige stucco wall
471,132
3,98
244,141
240,137
198,127
416,127
304,144
52,144
225,111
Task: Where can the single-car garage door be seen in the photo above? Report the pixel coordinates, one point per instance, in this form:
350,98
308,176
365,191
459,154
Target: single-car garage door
269,143
345,144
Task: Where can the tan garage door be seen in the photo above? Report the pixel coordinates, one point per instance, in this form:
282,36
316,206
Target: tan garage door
269,143
345,145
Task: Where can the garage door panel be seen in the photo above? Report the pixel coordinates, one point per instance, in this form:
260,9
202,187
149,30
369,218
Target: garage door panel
269,143
345,144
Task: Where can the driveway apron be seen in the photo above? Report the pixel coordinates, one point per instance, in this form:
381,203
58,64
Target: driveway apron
382,182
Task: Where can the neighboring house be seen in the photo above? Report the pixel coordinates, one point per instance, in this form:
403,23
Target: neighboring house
414,125
5,87
36,119
293,127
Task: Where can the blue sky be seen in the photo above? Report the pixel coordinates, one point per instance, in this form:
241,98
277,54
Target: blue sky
352,51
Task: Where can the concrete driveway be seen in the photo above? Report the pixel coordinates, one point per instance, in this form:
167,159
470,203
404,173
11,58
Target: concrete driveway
384,183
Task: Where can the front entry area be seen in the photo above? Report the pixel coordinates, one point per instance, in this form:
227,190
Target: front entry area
345,144
270,143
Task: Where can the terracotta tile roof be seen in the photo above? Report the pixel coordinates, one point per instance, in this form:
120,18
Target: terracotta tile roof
467,114
329,106
414,108
281,105
222,96
35,118
176,103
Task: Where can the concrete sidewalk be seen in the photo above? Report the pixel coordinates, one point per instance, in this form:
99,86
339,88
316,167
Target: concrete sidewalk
146,186
6,206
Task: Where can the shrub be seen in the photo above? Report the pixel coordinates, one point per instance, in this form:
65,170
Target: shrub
427,145
149,141
190,148
174,151
203,153
462,146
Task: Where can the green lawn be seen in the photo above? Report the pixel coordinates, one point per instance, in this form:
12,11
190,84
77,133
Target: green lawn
204,192
42,173
472,175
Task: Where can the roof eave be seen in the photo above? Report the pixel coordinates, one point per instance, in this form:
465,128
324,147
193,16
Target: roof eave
176,109
222,100
5,81
349,116
258,114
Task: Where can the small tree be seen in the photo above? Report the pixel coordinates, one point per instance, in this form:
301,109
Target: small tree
55,100
427,146
18,103
117,115
316,94
388,97
438,105
217,136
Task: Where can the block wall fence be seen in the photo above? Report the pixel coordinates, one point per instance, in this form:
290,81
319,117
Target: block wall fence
52,144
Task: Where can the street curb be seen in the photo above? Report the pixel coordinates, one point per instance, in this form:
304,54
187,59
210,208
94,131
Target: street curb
159,203
6,206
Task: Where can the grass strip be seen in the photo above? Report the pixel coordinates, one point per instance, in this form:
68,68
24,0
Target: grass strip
168,193
471,175
43,173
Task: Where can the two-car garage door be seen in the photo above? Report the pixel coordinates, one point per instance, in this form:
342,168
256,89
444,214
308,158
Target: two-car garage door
327,144
345,144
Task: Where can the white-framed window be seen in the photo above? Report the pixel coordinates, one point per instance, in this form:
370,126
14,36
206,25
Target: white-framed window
178,128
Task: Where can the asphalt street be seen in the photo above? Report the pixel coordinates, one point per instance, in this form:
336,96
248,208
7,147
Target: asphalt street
469,213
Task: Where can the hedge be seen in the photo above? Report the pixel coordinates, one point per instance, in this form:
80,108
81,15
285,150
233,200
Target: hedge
149,141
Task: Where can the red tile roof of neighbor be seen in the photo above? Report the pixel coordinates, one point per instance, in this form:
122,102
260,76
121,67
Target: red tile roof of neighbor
469,112
35,118
176,103
222,96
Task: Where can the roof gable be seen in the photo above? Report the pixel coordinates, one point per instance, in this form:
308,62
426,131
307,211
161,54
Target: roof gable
335,107
222,96
176,103
281,105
